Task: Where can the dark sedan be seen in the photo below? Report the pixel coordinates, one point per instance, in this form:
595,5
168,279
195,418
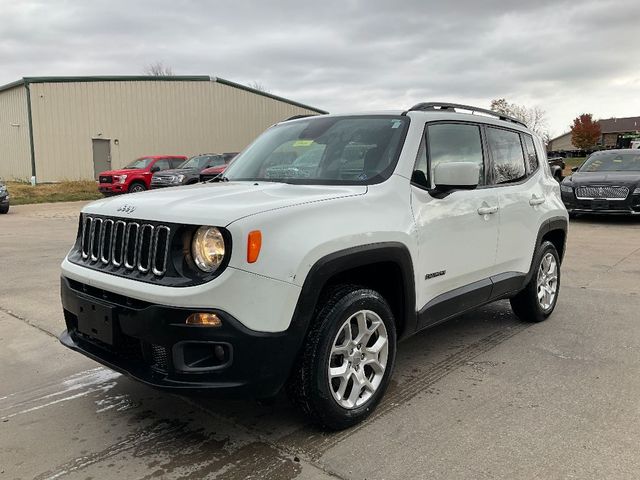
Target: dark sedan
607,182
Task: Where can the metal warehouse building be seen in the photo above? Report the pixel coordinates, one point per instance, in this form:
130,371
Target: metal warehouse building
71,128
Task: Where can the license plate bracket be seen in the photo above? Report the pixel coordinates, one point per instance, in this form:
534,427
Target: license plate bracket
96,320
599,204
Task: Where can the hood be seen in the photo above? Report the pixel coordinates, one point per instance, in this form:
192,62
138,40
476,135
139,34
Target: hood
605,178
219,203
177,171
124,171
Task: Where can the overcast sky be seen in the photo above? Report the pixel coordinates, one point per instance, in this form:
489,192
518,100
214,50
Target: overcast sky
348,55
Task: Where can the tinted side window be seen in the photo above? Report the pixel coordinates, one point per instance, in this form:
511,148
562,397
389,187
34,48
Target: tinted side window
162,164
506,152
176,162
455,142
530,152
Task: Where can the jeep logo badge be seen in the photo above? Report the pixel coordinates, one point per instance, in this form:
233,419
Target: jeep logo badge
126,209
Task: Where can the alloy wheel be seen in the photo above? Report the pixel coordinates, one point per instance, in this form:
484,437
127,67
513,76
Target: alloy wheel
358,359
547,281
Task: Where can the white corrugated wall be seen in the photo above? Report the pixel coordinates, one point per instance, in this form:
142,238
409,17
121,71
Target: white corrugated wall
143,118
15,152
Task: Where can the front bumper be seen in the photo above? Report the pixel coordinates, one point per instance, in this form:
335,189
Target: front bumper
153,344
628,206
161,183
112,188
4,200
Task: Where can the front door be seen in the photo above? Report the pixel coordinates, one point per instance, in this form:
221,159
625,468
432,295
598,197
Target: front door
457,234
101,156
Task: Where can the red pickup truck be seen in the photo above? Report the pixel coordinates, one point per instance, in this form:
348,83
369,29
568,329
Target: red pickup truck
136,177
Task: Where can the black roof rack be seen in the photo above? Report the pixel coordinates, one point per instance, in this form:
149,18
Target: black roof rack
445,106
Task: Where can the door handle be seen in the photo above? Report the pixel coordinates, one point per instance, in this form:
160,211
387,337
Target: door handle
536,201
487,210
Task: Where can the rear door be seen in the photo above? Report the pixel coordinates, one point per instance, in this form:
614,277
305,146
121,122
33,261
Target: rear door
457,234
516,174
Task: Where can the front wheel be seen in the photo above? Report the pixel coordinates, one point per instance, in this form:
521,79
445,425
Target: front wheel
137,187
4,210
347,360
539,297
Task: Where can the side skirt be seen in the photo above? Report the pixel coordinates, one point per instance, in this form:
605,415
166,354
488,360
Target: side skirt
463,299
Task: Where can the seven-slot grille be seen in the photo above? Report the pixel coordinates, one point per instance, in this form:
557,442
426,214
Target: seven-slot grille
129,245
106,179
602,192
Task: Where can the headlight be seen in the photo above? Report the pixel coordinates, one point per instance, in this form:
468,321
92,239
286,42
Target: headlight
635,192
3,189
566,188
207,248
119,178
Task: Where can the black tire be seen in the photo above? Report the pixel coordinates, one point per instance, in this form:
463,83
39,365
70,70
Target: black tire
526,304
136,187
309,386
4,210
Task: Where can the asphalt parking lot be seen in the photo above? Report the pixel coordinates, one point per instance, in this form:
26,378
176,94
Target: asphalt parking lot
484,396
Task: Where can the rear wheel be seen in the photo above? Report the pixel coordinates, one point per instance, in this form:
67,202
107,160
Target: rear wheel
538,299
136,187
347,360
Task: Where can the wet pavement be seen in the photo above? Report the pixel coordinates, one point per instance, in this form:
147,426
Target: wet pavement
483,396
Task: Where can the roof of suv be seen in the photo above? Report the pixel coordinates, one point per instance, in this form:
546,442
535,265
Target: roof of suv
448,110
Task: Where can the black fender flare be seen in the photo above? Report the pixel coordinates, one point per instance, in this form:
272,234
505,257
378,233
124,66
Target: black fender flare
549,225
343,260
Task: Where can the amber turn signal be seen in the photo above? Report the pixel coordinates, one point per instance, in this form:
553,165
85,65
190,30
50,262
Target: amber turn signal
254,244
205,319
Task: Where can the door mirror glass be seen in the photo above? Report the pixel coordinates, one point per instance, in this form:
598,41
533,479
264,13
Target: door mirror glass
155,168
574,169
456,175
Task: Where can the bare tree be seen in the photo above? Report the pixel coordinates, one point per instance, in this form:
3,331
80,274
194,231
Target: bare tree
258,86
158,69
533,117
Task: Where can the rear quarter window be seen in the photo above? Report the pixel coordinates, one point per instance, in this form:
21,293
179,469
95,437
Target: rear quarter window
530,153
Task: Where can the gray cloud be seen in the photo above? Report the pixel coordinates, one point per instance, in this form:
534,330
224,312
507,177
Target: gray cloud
566,57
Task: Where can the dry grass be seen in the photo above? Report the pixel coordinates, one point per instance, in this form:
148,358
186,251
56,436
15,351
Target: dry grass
23,193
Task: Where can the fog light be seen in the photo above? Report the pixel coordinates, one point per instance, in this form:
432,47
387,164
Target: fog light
219,352
205,319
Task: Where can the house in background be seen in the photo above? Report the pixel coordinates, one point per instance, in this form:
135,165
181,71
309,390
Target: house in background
615,133
72,128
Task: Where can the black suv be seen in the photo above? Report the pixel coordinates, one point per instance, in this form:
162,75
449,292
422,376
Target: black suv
188,172
4,198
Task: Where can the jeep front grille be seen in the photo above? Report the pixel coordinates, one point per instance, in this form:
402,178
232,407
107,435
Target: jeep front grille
128,245
601,192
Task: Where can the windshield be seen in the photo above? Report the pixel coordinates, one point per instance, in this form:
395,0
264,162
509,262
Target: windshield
203,161
324,150
612,162
139,163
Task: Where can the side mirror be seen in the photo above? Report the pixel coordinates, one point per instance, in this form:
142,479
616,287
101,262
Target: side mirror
574,169
456,176
155,169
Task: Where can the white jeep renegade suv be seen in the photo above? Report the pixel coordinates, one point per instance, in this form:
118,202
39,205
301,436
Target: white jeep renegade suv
326,241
